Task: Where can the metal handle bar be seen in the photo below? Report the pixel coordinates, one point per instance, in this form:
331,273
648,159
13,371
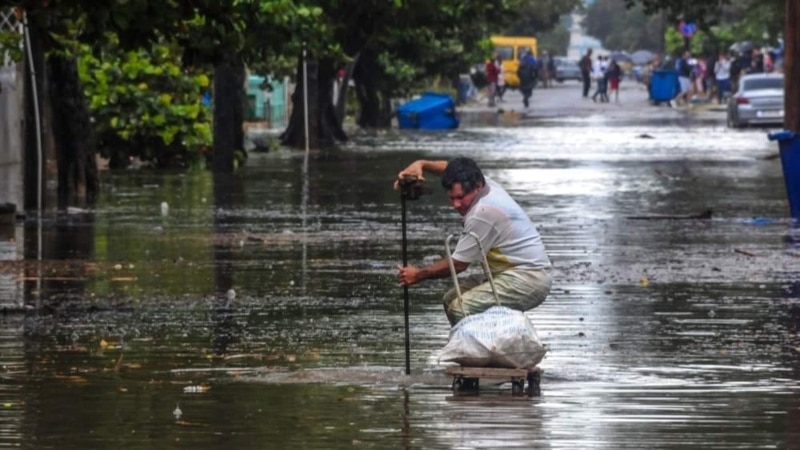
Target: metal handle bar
484,265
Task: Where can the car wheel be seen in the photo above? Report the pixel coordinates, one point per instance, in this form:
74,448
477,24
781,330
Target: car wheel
560,80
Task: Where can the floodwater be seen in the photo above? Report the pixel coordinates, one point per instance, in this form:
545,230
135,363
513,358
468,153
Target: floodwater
663,334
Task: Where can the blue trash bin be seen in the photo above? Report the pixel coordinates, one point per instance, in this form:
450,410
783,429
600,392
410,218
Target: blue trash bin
789,144
664,85
431,111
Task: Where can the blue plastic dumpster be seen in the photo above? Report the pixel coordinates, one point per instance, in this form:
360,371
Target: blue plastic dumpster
664,85
432,111
789,144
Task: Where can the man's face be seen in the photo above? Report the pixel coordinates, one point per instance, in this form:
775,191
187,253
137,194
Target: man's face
461,201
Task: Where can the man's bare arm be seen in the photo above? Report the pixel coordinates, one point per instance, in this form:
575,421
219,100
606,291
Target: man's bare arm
418,169
413,274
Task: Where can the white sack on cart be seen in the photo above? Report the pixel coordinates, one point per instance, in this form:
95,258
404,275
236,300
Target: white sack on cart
497,337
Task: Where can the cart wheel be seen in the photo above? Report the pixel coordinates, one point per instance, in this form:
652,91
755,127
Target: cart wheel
470,384
534,384
461,384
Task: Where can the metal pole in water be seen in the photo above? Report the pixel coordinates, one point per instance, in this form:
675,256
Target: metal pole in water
304,200
305,95
39,154
405,288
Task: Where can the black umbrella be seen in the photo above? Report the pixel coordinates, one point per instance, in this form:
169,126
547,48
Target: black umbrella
642,56
620,57
742,47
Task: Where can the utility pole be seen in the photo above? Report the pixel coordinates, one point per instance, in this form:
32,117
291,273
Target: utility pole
791,67
789,139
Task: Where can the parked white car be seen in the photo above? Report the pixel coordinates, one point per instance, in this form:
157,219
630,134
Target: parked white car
759,101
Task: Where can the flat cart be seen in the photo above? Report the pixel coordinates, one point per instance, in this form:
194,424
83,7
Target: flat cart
467,379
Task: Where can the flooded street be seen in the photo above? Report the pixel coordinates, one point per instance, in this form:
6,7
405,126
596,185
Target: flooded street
262,310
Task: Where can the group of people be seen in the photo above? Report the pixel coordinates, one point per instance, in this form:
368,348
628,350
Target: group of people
530,71
717,78
714,77
605,71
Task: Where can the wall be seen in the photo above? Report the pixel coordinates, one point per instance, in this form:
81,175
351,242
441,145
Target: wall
11,145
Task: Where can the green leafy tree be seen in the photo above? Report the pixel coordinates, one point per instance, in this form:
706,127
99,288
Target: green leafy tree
620,27
532,18
748,19
556,41
145,104
704,12
720,22
394,49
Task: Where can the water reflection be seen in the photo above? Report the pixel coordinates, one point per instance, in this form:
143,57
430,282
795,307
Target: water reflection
228,193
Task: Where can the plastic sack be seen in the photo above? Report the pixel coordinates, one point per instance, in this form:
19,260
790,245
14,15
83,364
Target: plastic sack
497,337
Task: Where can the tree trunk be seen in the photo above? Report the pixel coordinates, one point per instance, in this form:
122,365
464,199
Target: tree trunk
369,104
374,112
324,130
229,96
74,135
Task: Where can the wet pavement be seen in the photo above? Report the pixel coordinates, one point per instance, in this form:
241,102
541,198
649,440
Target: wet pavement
262,312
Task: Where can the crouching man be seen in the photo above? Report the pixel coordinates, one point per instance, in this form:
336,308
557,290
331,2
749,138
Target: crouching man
514,250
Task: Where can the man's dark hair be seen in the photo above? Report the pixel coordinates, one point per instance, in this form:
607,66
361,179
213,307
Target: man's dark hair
465,171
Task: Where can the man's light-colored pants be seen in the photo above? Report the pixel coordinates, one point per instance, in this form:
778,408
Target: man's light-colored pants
516,289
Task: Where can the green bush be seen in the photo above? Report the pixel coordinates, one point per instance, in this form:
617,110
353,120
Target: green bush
145,105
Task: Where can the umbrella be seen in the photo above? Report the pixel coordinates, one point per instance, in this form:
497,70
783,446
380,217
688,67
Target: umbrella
620,57
642,56
742,47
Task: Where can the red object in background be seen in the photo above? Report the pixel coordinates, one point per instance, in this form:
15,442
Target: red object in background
491,72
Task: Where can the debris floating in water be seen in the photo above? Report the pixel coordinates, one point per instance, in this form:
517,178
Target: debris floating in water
177,412
164,209
199,389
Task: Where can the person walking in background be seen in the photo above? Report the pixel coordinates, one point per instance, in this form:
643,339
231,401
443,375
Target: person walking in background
586,72
601,78
684,70
699,76
527,73
614,74
757,61
544,69
551,68
491,78
501,77
740,66
722,74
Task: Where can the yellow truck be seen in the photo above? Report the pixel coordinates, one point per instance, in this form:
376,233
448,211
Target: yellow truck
511,49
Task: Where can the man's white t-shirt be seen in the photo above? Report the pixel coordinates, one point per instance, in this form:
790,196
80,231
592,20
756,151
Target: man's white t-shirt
505,232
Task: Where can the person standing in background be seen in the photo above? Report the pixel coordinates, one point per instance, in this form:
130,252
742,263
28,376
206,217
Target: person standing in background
544,71
501,77
586,72
527,73
551,68
722,74
491,78
614,75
